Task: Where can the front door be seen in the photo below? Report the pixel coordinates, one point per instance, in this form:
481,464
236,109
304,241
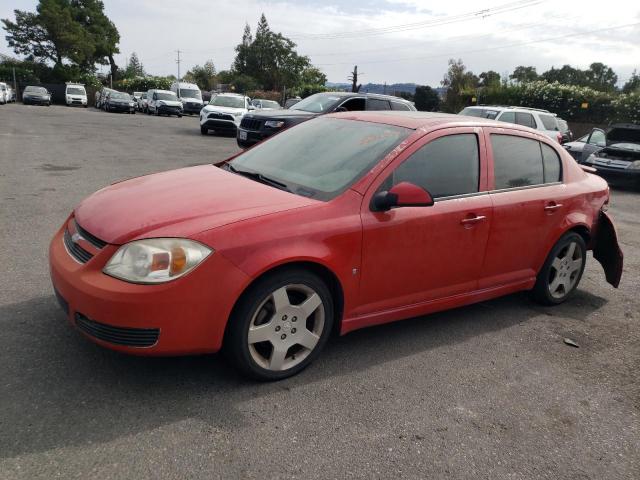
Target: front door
417,254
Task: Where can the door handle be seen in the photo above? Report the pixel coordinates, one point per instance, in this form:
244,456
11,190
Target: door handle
552,207
472,220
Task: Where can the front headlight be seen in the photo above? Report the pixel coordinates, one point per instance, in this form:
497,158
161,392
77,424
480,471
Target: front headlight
635,165
273,123
156,260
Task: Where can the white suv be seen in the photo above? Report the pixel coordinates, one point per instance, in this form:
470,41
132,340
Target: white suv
535,118
224,113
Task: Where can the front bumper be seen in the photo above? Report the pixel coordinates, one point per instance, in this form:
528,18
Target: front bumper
36,101
168,110
191,108
189,314
118,107
219,124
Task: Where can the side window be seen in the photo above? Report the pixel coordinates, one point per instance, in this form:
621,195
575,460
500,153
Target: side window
517,161
377,104
399,106
354,104
549,122
444,167
551,164
598,138
509,117
525,119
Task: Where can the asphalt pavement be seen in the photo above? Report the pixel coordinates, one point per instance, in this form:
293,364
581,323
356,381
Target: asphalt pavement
486,391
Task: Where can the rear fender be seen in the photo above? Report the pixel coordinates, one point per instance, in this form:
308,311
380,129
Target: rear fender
607,251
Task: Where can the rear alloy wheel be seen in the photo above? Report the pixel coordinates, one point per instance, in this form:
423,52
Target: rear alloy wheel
281,325
562,270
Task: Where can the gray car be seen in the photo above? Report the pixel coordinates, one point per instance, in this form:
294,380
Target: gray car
36,96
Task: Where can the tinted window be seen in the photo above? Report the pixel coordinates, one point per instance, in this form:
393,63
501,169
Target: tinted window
509,117
399,106
549,122
551,164
525,119
444,167
517,161
377,104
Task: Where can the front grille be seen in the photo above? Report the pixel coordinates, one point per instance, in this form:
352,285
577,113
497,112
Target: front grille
75,250
129,337
92,239
251,124
220,116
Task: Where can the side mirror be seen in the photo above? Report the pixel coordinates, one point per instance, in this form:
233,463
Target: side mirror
404,194
341,109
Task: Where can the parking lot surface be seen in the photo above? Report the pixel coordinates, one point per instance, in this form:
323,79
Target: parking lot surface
486,391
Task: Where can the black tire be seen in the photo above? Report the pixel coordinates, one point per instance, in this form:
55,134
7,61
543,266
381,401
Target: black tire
204,130
542,291
236,344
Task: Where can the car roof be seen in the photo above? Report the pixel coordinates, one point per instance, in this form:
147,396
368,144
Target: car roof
427,120
370,95
510,108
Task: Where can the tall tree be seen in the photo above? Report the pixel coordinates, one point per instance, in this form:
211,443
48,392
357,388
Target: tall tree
601,77
241,62
633,84
313,76
489,79
523,74
134,67
458,81
426,99
566,75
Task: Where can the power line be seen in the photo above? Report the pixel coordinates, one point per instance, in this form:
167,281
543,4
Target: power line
508,7
577,34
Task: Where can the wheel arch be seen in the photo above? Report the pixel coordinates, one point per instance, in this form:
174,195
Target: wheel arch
325,273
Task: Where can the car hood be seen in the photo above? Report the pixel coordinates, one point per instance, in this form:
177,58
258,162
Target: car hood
170,103
226,110
179,203
283,114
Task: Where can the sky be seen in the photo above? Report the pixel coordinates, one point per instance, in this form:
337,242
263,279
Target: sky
390,40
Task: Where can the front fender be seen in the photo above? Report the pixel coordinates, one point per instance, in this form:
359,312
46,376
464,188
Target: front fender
606,250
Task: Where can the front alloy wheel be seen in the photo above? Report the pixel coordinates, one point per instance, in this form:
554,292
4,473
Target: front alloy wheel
280,325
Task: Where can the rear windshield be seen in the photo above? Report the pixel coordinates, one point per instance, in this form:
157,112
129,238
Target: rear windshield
549,122
190,93
120,96
480,112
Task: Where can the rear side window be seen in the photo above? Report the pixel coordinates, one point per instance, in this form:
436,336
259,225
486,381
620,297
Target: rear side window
445,167
509,117
517,161
549,122
525,119
551,164
399,106
377,104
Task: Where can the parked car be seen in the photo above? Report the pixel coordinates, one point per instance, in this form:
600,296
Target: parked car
120,102
341,222
614,154
36,96
136,98
539,119
575,147
163,102
190,96
567,134
75,94
11,94
257,126
101,97
4,93
290,102
224,113
142,102
262,104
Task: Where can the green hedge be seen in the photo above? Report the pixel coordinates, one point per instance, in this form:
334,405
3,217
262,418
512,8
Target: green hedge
142,84
566,101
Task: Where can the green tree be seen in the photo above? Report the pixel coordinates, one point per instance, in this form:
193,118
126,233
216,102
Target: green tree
241,62
313,76
600,77
489,79
426,99
458,82
633,84
134,67
524,74
204,77
566,75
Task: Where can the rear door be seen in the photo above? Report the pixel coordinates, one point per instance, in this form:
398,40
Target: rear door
529,203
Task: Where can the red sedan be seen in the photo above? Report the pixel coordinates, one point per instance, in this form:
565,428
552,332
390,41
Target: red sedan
342,222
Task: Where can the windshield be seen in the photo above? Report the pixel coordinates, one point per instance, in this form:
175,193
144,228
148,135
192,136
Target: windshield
322,157
166,96
318,103
479,112
35,90
76,91
190,93
119,96
224,101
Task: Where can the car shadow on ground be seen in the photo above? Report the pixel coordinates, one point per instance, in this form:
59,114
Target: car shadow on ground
57,389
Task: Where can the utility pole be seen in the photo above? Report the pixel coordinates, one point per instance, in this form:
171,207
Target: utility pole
355,88
178,62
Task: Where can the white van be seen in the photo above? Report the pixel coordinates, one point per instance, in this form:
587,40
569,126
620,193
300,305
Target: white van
163,102
190,96
4,93
75,94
